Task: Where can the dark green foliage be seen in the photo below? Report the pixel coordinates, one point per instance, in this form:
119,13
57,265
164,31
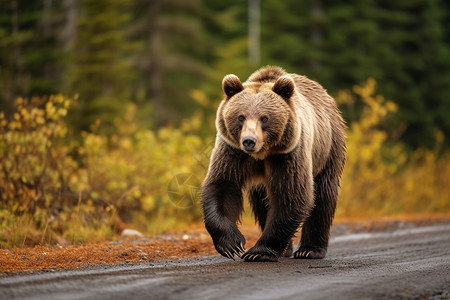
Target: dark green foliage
173,55
31,55
100,70
402,44
158,53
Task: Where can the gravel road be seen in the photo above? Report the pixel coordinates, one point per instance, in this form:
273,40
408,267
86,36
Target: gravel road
404,264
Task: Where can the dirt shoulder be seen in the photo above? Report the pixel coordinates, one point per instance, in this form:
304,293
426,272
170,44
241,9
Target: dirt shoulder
180,245
194,243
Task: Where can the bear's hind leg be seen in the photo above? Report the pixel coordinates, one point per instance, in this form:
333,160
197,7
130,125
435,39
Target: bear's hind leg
289,250
258,201
316,229
286,209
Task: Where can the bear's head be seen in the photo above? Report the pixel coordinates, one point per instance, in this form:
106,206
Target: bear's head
258,117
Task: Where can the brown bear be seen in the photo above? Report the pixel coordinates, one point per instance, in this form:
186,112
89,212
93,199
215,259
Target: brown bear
281,140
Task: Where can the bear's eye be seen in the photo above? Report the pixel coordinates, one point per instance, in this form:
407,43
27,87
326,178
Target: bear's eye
264,119
241,118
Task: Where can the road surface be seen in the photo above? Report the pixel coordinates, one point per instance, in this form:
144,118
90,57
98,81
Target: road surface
403,264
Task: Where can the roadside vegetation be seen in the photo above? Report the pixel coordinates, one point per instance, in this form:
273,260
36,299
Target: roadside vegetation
107,107
61,188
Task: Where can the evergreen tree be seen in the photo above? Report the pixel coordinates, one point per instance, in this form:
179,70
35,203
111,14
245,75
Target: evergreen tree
340,43
434,79
157,52
101,69
30,54
174,55
415,64
228,23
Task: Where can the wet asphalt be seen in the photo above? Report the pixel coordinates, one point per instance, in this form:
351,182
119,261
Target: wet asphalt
411,263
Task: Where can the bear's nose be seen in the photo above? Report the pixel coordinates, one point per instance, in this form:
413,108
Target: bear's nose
249,143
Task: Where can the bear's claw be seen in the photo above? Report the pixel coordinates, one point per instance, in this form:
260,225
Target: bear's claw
250,257
259,254
229,254
310,253
230,249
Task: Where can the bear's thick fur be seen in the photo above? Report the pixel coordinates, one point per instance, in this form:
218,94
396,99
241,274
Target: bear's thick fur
281,140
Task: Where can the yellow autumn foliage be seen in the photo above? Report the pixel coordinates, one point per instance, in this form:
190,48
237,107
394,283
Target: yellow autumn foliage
53,186
381,178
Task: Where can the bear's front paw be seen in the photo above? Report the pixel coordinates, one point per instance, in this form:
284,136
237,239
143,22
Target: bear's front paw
230,245
260,253
312,253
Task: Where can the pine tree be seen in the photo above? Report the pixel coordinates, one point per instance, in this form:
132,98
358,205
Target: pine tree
341,43
30,54
101,70
415,64
434,78
174,55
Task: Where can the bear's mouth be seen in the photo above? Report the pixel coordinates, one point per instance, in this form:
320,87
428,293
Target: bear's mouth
258,155
255,150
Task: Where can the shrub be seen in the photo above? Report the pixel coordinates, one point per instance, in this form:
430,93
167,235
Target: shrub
54,188
381,178
34,168
150,178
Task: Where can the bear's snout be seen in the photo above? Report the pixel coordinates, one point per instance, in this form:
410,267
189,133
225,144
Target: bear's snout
249,143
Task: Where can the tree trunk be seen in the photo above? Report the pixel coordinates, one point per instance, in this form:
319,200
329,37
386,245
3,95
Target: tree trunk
316,34
155,69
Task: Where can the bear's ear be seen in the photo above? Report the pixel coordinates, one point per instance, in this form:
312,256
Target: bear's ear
231,85
285,87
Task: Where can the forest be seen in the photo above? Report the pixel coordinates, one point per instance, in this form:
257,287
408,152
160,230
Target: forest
107,107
